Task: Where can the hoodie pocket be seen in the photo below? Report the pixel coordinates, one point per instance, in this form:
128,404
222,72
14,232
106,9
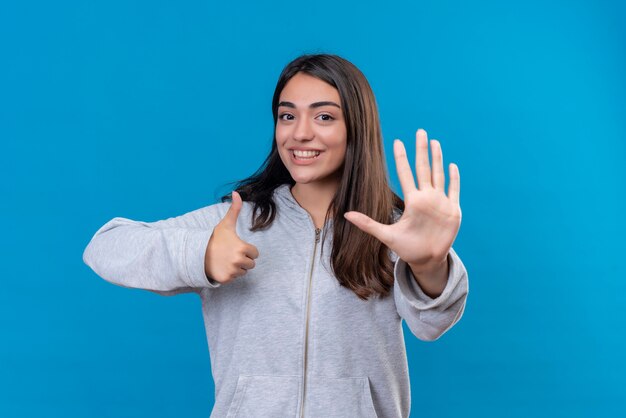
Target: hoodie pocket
339,397
265,396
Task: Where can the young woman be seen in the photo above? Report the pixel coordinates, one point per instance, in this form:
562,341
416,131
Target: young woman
306,274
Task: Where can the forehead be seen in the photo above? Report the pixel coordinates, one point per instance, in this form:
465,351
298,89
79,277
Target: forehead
306,88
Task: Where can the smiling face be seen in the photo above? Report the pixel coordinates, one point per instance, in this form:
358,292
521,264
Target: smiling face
311,133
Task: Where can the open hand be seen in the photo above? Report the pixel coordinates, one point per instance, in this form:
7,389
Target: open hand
431,220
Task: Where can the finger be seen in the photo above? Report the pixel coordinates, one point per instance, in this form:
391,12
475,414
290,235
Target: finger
422,166
230,218
367,224
405,175
439,179
454,188
246,263
251,251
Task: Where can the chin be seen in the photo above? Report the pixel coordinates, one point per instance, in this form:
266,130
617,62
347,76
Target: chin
303,179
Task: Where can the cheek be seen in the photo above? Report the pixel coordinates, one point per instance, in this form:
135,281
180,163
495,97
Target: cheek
341,155
281,139
339,145
278,137
281,132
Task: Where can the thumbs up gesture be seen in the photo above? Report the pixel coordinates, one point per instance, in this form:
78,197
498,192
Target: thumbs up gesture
228,256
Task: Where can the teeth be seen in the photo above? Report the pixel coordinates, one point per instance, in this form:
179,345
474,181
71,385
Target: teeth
306,154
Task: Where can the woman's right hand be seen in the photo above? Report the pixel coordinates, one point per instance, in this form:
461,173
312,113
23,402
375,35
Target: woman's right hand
228,256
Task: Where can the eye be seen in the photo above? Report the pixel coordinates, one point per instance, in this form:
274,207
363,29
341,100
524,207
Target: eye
328,116
281,117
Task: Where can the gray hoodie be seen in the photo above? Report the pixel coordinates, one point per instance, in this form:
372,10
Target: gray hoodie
285,339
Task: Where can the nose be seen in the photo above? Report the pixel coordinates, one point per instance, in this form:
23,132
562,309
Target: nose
302,130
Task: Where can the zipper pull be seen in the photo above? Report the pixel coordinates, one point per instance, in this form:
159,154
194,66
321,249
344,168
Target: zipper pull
317,234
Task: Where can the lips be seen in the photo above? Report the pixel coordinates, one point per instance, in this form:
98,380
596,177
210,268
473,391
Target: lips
304,160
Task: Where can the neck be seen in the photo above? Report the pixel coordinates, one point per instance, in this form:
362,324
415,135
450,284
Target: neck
315,198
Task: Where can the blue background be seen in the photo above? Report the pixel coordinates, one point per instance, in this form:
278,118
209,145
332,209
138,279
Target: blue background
147,109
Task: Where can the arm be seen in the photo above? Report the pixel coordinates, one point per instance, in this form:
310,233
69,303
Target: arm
423,235
166,257
429,318
432,282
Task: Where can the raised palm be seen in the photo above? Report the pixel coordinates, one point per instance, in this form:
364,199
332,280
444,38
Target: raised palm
431,220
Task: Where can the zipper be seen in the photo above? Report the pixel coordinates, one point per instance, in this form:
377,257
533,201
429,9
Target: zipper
306,334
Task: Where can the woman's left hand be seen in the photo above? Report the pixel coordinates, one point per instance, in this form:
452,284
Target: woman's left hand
431,220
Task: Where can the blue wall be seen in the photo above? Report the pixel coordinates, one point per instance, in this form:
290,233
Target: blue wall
147,109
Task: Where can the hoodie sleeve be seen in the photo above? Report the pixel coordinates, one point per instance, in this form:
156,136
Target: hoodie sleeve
165,257
428,318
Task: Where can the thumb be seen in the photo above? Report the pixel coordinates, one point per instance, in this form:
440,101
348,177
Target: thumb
367,224
230,219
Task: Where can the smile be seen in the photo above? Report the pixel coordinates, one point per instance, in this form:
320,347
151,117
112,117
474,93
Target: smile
305,154
304,157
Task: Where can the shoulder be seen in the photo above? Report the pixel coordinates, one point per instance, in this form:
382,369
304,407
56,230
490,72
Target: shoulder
217,211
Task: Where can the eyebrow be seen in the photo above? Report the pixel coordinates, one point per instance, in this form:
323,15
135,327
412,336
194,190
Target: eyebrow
312,105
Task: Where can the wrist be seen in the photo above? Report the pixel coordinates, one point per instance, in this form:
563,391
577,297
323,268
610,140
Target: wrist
432,280
429,268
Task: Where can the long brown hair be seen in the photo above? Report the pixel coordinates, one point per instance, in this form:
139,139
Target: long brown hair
359,261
